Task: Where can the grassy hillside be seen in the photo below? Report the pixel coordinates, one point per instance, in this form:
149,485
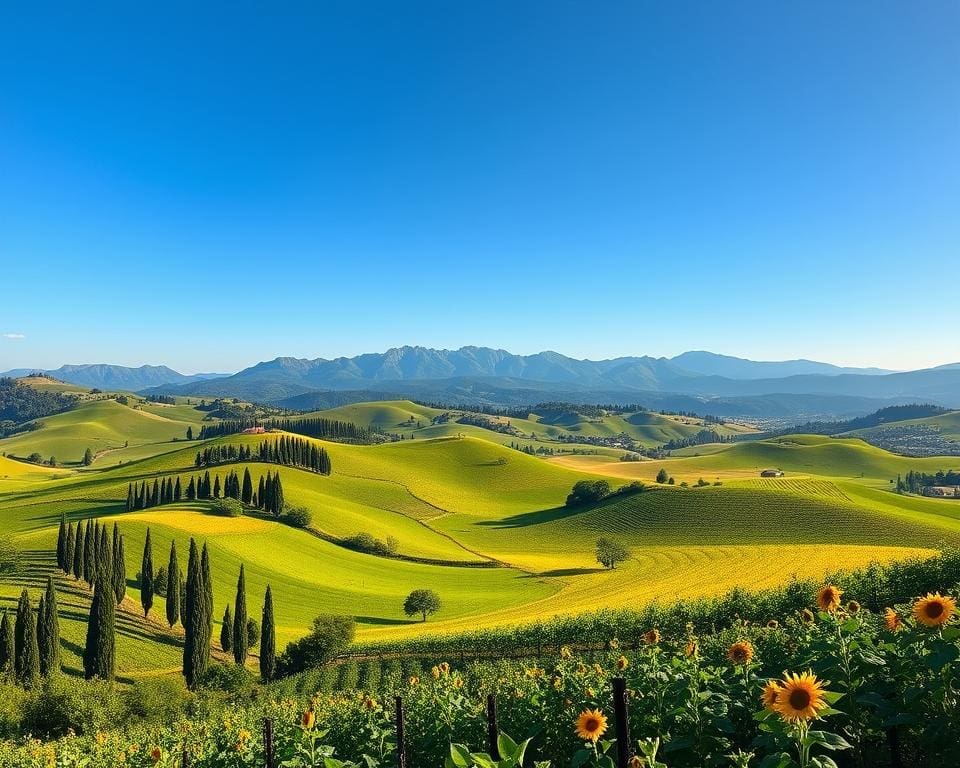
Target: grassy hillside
453,504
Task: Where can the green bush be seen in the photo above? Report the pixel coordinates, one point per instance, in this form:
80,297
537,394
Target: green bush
298,517
229,678
253,633
158,699
330,635
83,706
365,542
226,508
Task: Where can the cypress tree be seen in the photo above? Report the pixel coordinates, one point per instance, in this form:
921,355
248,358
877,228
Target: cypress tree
41,629
240,621
268,639
146,576
119,566
131,501
261,491
246,493
89,568
177,490
27,655
99,652
277,495
173,586
207,590
104,557
50,643
196,646
62,544
78,552
226,631
8,652
68,550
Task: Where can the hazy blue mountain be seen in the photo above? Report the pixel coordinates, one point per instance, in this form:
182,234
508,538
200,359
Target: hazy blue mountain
712,364
118,377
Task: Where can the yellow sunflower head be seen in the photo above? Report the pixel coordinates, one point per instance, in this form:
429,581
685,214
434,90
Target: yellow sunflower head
740,652
892,619
652,637
800,697
853,607
622,663
769,696
828,598
591,725
934,610
691,648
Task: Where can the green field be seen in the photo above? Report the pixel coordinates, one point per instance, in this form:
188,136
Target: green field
482,524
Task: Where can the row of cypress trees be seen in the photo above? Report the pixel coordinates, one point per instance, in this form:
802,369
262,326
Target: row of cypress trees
192,604
290,451
30,645
268,496
82,552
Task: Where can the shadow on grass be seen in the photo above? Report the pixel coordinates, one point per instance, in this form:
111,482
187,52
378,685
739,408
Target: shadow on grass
572,571
538,517
384,621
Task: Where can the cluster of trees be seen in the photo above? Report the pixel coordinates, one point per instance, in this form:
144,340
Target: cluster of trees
326,429
592,491
267,496
20,402
702,437
30,644
162,399
915,482
190,601
289,451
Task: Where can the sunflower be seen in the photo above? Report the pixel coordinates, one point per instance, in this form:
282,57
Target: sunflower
308,719
773,624
800,697
828,598
740,652
652,637
769,696
892,619
806,616
622,663
853,607
934,610
155,755
591,725
691,648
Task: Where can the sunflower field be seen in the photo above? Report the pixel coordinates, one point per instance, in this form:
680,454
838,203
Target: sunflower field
832,684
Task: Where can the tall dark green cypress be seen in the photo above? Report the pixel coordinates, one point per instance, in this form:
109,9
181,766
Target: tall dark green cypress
41,628
196,646
62,544
119,566
246,492
268,639
69,551
78,552
173,586
146,576
240,621
27,654
99,654
8,649
226,631
207,590
104,557
50,643
89,569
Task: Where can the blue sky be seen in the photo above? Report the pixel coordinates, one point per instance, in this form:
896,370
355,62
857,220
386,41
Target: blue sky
211,187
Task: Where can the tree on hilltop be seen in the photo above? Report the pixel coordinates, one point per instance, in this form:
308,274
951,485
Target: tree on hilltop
422,601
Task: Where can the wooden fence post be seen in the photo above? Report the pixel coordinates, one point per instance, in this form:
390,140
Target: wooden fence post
492,730
185,758
401,745
268,755
621,716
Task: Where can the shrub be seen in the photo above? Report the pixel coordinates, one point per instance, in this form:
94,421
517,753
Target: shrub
227,508
159,699
159,581
329,636
365,542
253,633
298,517
230,678
62,705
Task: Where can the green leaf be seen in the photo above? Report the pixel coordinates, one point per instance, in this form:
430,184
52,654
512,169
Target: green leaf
459,757
830,740
507,746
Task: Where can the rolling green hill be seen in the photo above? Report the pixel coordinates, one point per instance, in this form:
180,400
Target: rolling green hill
482,524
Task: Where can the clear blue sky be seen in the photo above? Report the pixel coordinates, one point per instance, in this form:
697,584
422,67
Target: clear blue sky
211,187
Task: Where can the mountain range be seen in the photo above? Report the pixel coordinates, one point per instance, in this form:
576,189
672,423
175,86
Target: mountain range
482,375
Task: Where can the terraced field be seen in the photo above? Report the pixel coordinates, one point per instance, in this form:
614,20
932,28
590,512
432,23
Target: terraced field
482,524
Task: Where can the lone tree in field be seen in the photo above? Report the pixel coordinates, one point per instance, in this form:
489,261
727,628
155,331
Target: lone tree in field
268,639
422,601
610,552
62,544
146,576
240,643
50,621
226,631
27,652
662,476
173,586
87,457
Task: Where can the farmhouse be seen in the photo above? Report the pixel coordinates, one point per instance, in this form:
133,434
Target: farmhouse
948,491
253,431
771,473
